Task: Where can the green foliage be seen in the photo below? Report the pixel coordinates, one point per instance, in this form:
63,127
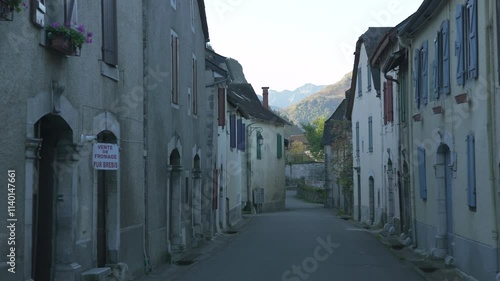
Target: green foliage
297,154
314,135
76,33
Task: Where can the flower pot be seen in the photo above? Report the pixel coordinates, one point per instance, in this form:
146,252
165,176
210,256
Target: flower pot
6,11
438,109
462,98
417,117
62,44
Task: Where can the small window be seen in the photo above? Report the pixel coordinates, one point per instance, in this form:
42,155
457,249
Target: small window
109,32
370,134
232,131
174,4
422,174
357,139
369,77
192,15
360,82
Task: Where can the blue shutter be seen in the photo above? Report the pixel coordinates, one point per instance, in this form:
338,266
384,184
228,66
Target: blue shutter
473,43
471,172
360,83
243,137
459,48
425,76
370,134
416,76
239,135
445,39
357,139
435,66
369,76
422,177
232,131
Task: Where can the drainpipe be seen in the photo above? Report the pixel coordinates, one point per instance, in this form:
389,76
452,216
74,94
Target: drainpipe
491,126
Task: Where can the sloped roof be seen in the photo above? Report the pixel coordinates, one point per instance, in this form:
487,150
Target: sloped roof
299,138
338,115
244,97
214,61
370,39
420,17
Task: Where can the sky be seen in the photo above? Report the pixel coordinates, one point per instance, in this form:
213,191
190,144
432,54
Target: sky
284,44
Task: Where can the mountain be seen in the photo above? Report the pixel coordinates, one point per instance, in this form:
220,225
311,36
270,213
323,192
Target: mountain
321,103
286,98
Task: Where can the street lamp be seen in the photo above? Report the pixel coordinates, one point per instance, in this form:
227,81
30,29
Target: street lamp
260,139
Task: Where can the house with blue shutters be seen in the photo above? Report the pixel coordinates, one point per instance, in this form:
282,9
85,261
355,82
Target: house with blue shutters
364,110
452,135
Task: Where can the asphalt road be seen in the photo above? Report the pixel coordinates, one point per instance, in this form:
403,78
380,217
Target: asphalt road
306,242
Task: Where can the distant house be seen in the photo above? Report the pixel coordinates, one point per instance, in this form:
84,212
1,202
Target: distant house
337,141
365,111
265,166
298,138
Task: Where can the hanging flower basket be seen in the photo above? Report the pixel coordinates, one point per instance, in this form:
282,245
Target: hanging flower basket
63,44
8,7
67,39
417,117
438,109
462,98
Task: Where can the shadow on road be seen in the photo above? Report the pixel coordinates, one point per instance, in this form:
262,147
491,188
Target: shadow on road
292,203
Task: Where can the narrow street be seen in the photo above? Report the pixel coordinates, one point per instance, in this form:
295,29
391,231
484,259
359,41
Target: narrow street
306,242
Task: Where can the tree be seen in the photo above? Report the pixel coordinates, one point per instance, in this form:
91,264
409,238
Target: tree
297,153
314,135
342,167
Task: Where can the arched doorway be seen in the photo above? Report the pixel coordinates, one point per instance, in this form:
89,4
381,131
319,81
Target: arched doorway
53,177
444,185
107,210
175,185
371,187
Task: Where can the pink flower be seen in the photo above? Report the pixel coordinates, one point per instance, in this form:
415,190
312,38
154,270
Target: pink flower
55,25
90,34
88,40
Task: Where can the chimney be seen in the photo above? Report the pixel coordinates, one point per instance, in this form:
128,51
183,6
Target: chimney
265,95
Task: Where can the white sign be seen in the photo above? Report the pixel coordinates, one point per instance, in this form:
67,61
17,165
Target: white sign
105,156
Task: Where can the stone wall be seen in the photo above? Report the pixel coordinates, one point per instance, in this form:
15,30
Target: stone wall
311,194
313,173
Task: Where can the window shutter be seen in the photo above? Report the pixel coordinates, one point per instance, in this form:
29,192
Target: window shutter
425,79
360,83
243,137
239,135
390,102
232,131
279,146
175,69
370,134
473,41
471,172
416,76
445,39
109,28
195,86
422,178
369,77
357,139
385,104
435,66
459,48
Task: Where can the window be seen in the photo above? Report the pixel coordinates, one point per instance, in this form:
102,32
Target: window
175,67
422,177
174,4
388,102
357,139
38,11
441,63
420,74
241,135
471,172
222,107
259,147
232,131
360,84
370,134
70,11
279,146
466,42
109,32
195,86
369,77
